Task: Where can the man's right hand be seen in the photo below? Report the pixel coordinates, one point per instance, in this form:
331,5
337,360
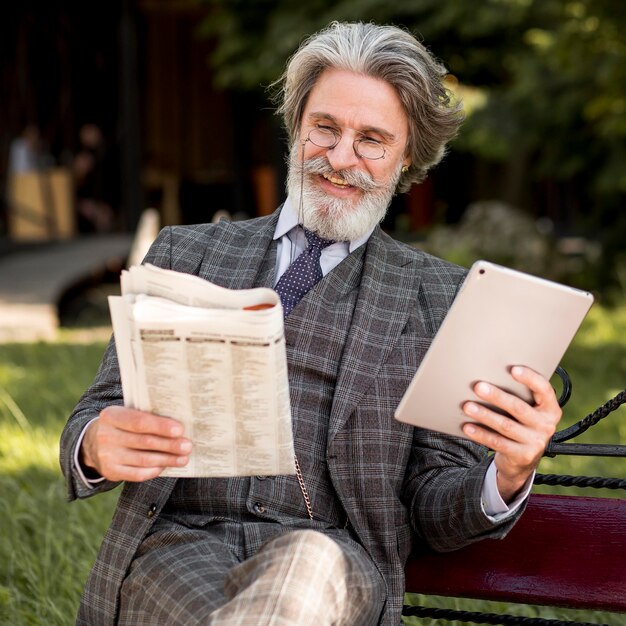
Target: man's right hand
125,444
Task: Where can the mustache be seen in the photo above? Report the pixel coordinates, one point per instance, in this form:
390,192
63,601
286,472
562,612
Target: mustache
320,166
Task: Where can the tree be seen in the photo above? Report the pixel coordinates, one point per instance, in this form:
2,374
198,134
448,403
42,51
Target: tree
544,83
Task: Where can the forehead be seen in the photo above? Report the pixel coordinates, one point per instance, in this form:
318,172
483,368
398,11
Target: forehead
356,101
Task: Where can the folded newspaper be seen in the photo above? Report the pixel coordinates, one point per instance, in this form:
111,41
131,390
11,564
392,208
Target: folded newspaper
212,358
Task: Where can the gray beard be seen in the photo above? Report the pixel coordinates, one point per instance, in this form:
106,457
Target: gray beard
336,218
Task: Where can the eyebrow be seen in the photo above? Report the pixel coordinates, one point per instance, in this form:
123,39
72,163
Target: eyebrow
319,115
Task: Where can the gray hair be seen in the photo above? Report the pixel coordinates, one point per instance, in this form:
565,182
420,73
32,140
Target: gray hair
388,53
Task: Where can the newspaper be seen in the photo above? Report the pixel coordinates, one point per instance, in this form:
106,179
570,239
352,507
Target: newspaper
212,358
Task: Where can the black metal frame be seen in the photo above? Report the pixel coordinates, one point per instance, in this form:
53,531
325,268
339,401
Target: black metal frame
487,618
555,446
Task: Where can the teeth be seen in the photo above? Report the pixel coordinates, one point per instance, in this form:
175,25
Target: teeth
336,181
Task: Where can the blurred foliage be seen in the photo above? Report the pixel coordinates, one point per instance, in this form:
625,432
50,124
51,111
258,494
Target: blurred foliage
497,232
544,81
553,71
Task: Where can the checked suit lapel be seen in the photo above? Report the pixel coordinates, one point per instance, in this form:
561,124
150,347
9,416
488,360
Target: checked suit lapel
387,293
241,256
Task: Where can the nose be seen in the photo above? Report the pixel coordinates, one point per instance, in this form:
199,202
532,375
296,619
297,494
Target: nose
343,156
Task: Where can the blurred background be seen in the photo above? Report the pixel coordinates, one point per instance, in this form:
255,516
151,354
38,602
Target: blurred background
110,107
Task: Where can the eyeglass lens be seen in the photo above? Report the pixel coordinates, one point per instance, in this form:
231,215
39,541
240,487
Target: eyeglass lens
328,138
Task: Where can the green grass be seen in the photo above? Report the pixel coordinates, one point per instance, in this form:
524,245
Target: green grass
596,362
47,546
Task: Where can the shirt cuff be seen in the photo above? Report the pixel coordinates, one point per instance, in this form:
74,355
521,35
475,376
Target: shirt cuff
90,483
494,507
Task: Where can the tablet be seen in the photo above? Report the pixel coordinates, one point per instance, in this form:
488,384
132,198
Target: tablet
500,318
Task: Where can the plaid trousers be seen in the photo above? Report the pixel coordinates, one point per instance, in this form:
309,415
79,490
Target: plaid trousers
187,577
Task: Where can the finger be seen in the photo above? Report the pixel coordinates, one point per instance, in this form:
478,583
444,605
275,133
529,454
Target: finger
137,466
543,392
495,425
154,443
143,459
111,438
519,454
139,475
132,474
507,402
490,438
141,422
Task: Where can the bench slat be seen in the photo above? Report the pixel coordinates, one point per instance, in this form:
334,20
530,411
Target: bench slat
565,551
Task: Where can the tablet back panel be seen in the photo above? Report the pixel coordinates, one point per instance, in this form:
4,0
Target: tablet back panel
500,318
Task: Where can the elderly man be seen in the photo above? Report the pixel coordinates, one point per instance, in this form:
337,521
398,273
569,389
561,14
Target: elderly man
367,116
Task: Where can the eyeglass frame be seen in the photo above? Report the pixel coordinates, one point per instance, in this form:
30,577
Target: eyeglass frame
337,135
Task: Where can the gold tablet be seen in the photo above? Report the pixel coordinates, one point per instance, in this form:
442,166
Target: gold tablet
500,318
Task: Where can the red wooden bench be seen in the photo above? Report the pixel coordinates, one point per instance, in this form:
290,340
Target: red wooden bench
565,551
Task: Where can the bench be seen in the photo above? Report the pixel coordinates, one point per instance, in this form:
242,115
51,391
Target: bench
565,551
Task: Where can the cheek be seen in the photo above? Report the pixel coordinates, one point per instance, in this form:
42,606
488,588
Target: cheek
388,174
311,151
380,173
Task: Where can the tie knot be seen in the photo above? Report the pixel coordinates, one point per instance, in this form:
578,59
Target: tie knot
316,242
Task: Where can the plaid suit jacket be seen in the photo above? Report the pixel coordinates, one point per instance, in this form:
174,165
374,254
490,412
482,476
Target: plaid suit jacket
395,482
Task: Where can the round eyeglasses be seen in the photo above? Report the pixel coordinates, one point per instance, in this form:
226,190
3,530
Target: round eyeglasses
324,137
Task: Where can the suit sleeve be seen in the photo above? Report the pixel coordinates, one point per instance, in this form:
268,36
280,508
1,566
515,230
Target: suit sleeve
443,492
445,474
105,390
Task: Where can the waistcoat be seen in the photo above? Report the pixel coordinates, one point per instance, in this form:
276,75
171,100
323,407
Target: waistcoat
315,332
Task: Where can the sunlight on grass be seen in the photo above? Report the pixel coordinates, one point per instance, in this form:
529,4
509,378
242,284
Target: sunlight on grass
47,546
13,410
21,449
603,326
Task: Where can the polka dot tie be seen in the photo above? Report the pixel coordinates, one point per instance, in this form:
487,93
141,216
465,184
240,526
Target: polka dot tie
303,273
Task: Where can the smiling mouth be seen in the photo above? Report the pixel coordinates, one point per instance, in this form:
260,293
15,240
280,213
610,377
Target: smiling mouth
336,181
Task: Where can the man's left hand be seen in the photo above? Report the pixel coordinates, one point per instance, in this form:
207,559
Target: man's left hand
518,439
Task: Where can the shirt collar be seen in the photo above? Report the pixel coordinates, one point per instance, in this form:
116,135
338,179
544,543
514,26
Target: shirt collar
288,219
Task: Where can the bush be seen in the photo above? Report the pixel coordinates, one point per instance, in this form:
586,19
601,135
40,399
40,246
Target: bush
497,232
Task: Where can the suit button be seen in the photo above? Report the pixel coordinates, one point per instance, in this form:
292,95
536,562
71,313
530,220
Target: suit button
152,510
258,508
